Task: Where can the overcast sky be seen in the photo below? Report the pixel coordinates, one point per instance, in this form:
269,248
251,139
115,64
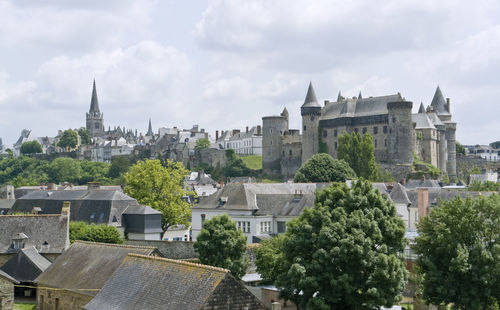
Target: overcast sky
225,64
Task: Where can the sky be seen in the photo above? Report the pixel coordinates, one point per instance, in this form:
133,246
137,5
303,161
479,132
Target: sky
226,64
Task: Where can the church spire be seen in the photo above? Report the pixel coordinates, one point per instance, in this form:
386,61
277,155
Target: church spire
150,129
94,104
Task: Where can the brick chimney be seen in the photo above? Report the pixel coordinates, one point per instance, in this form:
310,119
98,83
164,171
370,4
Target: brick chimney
247,129
235,131
259,129
423,202
66,208
216,135
92,186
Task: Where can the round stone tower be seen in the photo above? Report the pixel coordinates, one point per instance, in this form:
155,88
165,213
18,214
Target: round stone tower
273,128
310,111
400,132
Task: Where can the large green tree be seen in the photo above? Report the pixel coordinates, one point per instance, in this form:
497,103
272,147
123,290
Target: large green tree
459,253
344,253
84,135
235,167
202,144
323,168
31,147
94,233
160,187
64,169
119,165
221,244
69,139
358,151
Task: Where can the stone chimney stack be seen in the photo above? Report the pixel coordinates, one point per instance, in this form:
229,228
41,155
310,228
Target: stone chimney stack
259,130
423,202
247,129
66,208
92,186
216,135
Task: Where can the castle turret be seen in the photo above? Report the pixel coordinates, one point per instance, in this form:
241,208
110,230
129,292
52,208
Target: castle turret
400,132
95,123
273,128
310,111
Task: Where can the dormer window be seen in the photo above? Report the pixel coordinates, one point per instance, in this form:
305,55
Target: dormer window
18,241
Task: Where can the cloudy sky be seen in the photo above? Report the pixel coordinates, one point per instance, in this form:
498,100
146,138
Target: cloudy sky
225,64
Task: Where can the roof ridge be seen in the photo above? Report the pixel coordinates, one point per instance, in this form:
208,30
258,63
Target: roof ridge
180,262
116,245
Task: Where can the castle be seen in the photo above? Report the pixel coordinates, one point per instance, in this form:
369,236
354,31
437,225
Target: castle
398,135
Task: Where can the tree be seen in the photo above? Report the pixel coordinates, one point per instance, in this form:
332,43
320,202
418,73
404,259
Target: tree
459,253
235,167
323,168
64,169
69,139
344,253
495,144
221,244
357,150
94,233
84,135
488,186
162,188
459,148
119,165
31,147
267,257
202,144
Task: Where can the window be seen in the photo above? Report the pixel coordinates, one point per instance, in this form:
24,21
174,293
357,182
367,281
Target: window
385,142
281,227
202,219
56,305
325,133
364,129
375,142
312,118
265,227
335,145
393,119
290,152
335,133
385,129
283,152
96,125
375,130
304,127
244,226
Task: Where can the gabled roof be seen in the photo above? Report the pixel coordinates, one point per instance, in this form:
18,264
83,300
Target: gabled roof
7,277
358,107
47,233
143,282
26,265
94,104
399,195
87,265
311,100
439,103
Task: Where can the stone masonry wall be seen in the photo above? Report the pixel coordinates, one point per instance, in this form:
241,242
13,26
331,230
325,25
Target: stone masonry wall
465,164
66,300
6,294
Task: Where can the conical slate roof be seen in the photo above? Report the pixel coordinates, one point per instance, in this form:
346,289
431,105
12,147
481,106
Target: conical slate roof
311,100
421,109
94,104
359,96
439,103
285,113
339,97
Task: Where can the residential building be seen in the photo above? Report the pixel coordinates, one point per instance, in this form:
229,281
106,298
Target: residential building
244,143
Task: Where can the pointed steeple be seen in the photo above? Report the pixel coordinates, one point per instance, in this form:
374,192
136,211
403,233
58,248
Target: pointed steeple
339,97
150,129
311,100
94,104
285,113
421,109
359,96
438,102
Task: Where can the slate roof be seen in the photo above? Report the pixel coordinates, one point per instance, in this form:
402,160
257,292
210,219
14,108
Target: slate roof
47,233
358,107
26,265
143,282
87,265
310,100
439,103
422,121
94,206
438,194
7,277
422,183
399,195
94,104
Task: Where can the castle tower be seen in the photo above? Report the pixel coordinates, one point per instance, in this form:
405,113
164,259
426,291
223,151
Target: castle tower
310,111
95,123
150,129
400,132
273,128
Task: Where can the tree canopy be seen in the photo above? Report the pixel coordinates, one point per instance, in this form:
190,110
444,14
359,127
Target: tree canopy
221,244
160,187
460,149
84,135
94,233
323,168
201,144
119,165
69,139
64,169
344,253
235,167
358,151
495,144
459,247
31,147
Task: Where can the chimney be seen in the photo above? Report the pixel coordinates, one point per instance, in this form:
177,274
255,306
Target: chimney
51,186
275,306
247,130
92,186
216,135
423,202
65,209
235,131
259,129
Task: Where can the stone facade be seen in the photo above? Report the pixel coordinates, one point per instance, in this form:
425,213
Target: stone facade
398,135
60,299
6,294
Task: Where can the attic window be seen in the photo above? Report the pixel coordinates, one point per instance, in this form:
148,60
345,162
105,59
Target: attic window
115,219
45,243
